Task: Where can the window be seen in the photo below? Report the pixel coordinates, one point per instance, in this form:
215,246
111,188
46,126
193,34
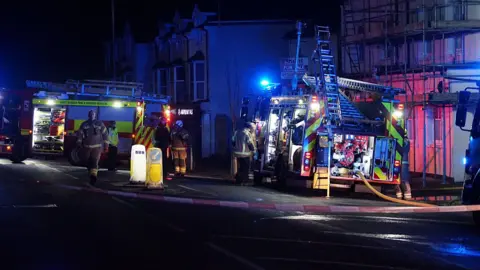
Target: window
163,81
155,82
197,79
180,90
160,81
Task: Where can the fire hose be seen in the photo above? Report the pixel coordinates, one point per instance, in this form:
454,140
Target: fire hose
388,198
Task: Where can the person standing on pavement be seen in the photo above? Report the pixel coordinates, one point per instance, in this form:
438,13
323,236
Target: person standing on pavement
113,146
179,137
243,150
92,138
162,141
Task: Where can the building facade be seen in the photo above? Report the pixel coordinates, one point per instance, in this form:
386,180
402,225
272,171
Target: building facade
417,45
133,61
208,66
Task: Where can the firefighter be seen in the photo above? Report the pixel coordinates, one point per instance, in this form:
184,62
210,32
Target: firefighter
404,173
162,141
179,137
113,146
243,149
92,136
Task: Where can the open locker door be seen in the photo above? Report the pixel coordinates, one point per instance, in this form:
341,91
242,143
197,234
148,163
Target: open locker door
383,159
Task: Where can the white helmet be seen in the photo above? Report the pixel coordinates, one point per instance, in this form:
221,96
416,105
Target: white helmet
179,123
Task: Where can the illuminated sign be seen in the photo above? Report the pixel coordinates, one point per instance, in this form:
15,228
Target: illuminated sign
184,111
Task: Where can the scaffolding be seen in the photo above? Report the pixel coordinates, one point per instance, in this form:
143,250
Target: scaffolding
380,39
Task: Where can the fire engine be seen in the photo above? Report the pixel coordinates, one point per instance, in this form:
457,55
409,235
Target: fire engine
15,124
320,133
56,111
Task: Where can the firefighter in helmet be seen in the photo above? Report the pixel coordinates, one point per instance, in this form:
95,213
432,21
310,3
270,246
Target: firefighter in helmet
92,138
179,139
244,148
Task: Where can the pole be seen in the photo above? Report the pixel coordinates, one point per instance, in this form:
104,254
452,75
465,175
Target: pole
297,54
424,175
113,41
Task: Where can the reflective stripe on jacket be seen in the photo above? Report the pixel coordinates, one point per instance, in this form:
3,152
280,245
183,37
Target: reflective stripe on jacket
113,136
243,143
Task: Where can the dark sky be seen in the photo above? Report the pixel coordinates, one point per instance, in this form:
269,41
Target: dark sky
54,40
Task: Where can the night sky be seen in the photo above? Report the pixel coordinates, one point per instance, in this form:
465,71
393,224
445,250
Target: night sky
55,40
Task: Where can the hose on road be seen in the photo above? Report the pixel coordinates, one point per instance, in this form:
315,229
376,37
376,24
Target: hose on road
388,198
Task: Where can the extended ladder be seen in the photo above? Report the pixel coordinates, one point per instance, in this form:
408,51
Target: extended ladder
359,86
327,76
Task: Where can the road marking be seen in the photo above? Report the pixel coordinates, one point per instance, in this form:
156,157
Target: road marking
234,256
383,236
301,241
197,190
47,167
404,220
169,225
71,176
332,263
35,206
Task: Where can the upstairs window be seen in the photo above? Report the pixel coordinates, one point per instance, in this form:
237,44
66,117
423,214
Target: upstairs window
198,81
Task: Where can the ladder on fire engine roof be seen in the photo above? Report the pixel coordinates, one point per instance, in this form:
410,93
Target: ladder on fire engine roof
99,88
326,81
359,86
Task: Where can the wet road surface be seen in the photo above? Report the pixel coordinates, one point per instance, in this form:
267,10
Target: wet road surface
45,227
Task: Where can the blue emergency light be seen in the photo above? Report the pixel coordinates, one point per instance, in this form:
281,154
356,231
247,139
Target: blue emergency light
264,83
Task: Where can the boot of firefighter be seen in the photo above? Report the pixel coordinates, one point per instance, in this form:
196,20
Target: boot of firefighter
93,176
398,192
407,191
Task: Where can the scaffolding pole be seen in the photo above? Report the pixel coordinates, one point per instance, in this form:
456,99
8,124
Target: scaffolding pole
441,20
424,173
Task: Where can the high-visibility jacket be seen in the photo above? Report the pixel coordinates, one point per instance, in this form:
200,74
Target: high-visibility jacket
243,143
113,136
92,134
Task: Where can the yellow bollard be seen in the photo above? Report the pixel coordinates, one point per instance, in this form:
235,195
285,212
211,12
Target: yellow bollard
154,168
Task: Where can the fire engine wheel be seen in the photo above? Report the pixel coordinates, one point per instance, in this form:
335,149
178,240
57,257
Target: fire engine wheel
74,158
17,159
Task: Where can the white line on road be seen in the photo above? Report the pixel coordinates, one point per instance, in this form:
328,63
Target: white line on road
71,176
367,219
47,167
234,256
301,242
35,206
169,225
369,266
197,190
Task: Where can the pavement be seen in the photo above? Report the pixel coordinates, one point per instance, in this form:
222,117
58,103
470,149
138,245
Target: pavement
45,226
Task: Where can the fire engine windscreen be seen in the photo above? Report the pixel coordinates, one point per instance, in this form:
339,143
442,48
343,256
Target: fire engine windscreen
351,154
48,129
